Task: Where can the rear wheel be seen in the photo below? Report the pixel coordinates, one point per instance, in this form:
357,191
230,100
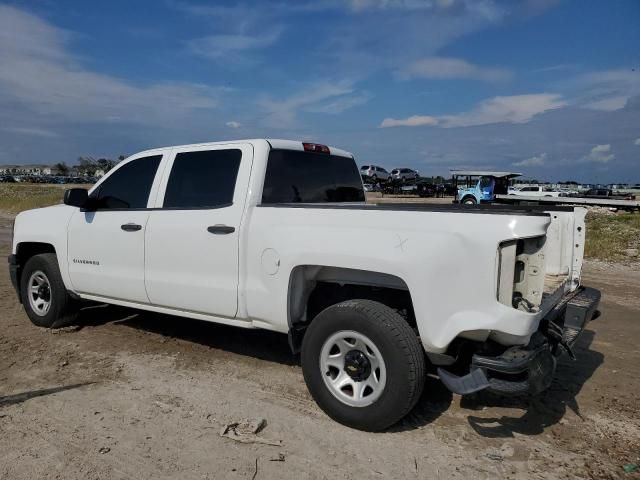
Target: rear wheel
469,201
44,295
363,364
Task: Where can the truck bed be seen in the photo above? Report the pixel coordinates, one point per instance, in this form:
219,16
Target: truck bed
533,210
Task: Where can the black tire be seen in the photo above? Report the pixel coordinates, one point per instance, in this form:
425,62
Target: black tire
401,351
469,201
63,309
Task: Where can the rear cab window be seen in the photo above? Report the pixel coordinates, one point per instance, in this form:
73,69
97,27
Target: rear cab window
203,179
295,176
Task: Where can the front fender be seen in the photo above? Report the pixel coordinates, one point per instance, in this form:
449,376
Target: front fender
49,226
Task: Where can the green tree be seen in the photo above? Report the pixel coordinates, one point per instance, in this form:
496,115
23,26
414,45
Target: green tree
62,168
105,164
87,166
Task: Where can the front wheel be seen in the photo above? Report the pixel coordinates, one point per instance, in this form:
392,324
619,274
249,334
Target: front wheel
363,364
469,201
43,293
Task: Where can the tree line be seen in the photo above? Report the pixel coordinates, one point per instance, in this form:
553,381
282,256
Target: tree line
88,166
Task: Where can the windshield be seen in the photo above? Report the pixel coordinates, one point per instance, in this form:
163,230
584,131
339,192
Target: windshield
306,177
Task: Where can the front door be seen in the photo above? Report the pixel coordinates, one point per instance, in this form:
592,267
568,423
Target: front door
192,241
106,244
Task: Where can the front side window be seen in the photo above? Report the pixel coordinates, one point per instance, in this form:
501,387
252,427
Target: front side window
204,179
306,177
486,182
128,186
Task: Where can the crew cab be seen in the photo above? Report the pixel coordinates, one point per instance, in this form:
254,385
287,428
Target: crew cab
276,235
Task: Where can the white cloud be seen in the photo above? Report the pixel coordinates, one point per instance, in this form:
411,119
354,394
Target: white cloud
443,67
413,121
40,78
599,154
342,103
233,124
323,97
608,104
512,109
535,161
34,131
488,10
218,47
607,90
636,141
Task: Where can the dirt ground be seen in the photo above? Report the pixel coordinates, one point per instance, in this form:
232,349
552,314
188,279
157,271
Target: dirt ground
144,396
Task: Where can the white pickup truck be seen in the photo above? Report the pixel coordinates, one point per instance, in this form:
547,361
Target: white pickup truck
276,234
535,191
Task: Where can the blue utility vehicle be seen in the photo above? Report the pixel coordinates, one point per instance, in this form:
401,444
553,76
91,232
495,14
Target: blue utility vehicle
474,186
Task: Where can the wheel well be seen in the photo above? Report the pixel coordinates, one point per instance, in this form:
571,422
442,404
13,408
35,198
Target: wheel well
312,288
26,250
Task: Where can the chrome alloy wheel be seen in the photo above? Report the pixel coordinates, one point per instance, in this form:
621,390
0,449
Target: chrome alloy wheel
353,368
39,293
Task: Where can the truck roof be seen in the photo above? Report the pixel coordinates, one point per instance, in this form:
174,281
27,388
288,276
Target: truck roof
274,142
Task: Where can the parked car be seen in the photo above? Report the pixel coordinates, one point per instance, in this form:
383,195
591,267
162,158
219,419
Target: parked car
374,173
607,193
427,189
240,233
403,174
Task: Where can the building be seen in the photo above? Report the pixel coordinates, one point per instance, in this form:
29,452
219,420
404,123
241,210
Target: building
34,170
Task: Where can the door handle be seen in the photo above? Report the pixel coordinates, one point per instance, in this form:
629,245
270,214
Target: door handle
221,229
131,227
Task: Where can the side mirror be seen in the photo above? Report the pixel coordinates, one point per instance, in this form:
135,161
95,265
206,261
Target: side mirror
76,197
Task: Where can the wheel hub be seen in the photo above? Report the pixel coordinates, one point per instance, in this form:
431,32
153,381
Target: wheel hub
352,368
44,292
39,293
357,365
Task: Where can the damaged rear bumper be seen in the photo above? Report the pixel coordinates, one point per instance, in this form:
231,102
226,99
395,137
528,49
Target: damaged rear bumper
529,369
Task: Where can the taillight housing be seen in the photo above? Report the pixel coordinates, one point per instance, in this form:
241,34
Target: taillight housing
315,147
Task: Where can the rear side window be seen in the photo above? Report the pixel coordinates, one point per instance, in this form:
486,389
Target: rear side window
364,167
128,186
306,177
205,179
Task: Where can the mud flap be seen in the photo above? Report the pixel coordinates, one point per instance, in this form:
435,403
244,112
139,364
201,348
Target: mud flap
474,381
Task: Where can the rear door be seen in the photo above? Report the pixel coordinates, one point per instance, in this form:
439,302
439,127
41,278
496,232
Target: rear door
106,245
192,237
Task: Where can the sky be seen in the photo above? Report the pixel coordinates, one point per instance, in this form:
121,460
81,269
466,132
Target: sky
549,88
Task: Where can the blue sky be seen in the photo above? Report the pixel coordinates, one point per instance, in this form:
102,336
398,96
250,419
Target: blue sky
549,88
